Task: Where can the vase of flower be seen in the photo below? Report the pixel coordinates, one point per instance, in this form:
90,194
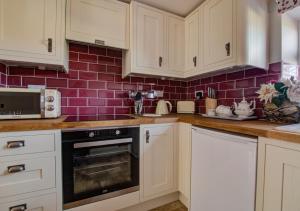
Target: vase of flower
281,101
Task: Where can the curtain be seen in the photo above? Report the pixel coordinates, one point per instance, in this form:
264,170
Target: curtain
285,5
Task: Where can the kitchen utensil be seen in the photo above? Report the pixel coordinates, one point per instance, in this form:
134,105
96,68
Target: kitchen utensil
162,107
243,109
210,104
185,107
224,111
138,103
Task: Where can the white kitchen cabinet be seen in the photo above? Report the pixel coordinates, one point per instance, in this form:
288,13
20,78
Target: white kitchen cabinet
158,160
184,162
234,34
176,44
223,175
101,22
33,32
192,39
278,176
149,39
156,43
220,18
30,173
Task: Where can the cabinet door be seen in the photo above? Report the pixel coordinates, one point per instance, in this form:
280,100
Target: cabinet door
98,21
28,28
192,41
219,31
149,39
282,179
176,55
158,160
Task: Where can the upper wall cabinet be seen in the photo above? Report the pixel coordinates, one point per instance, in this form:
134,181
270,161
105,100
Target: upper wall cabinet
156,43
33,32
101,22
235,34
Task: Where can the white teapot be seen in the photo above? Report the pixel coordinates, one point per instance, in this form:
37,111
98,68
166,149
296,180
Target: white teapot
224,111
243,109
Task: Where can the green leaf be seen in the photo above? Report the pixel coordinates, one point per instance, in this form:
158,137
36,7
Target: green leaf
279,86
278,101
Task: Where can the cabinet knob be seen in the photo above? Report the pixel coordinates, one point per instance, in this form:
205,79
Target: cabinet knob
195,61
160,61
15,144
228,48
15,169
50,45
21,207
147,136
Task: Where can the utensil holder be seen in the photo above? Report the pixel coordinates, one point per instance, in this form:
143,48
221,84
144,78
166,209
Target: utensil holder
210,104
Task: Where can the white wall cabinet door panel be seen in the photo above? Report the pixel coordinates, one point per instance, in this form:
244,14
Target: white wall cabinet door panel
158,160
24,176
219,31
26,26
282,179
192,41
40,203
104,22
176,44
149,39
33,32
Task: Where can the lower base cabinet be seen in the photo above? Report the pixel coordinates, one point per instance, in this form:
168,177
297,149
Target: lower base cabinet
30,172
44,203
158,160
278,176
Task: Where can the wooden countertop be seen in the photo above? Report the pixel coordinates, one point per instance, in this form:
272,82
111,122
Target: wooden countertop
252,127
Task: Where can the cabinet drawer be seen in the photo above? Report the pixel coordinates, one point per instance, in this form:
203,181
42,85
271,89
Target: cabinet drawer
25,176
40,203
18,145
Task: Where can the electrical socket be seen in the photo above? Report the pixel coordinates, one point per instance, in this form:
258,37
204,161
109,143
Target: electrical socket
199,95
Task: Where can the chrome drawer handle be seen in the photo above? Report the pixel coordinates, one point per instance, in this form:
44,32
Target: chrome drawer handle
99,42
15,144
147,136
15,169
21,207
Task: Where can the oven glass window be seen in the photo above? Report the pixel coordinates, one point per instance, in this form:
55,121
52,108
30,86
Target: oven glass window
19,103
101,168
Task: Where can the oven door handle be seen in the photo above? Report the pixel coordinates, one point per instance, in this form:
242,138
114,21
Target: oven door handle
102,143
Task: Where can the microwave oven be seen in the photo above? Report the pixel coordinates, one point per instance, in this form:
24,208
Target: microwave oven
23,103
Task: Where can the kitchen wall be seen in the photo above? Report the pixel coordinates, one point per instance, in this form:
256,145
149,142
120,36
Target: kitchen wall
94,84
233,86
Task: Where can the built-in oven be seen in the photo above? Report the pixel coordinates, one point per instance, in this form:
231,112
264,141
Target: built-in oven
99,164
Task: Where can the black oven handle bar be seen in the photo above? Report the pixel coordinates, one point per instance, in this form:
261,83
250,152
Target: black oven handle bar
102,143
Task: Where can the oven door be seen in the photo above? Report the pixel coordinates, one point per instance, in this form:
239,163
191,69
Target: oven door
20,103
98,170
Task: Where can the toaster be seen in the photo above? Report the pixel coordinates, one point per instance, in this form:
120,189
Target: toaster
185,107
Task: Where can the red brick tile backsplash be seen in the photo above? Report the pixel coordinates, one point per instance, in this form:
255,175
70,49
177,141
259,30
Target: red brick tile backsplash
232,87
94,84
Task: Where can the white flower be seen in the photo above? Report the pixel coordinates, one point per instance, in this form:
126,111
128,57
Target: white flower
267,92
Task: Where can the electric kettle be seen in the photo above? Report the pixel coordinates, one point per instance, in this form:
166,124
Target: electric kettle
162,107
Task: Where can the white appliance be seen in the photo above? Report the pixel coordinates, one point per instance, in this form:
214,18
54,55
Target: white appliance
223,176
22,103
163,107
185,107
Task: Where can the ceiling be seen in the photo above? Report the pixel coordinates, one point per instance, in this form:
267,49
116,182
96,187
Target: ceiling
295,13
179,7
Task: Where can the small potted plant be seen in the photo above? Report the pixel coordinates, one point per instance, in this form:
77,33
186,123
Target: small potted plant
281,101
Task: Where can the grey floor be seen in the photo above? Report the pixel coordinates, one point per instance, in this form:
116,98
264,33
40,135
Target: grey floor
175,206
